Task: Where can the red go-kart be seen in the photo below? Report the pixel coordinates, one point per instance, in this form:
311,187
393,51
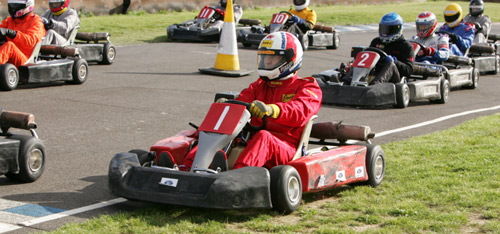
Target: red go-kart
141,175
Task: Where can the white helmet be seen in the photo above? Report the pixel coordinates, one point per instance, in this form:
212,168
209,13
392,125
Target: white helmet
300,4
279,55
20,8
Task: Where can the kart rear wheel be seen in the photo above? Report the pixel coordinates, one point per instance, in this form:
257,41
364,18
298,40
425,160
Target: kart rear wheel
375,165
143,157
444,91
31,159
402,95
336,41
9,77
108,54
304,41
286,188
80,71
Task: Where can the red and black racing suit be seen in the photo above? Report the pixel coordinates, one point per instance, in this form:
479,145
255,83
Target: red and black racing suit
403,51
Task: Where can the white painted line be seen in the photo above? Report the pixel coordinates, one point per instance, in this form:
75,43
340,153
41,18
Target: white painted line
71,212
436,121
5,227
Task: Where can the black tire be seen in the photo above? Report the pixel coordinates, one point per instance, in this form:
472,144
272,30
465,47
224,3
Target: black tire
80,71
375,165
9,77
31,159
402,95
475,78
336,41
445,92
247,45
143,157
286,189
108,54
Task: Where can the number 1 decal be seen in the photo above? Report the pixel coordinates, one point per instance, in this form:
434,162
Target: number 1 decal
221,118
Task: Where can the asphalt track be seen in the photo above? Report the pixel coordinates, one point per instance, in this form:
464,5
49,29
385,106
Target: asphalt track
152,91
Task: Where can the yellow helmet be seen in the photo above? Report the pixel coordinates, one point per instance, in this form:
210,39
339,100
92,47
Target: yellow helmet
453,15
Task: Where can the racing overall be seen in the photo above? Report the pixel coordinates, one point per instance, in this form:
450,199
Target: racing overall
392,72
309,17
30,31
63,25
299,99
465,33
438,42
485,22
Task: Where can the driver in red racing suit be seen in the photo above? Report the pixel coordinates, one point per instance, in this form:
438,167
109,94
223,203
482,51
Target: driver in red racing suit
287,100
20,32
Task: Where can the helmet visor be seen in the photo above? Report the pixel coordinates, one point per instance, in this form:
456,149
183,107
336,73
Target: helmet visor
270,62
299,2
386,30
15,7
423,28
54,5
475,10
451,18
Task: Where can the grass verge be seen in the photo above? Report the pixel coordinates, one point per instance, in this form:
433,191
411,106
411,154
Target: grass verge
445,182
141,27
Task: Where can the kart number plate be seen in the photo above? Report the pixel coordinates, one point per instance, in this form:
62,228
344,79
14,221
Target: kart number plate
206,13
279,18
171,182
222,118
365,59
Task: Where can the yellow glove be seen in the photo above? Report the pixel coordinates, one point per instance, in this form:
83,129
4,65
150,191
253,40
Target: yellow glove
260,109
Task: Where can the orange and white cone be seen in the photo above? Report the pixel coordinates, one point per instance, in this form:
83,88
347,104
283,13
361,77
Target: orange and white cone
227,62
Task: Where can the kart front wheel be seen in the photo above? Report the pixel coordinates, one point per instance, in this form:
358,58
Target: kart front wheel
9,77
402,95
475,78
304,41
31,159
444,91
80,71
286,188
375,165
108,54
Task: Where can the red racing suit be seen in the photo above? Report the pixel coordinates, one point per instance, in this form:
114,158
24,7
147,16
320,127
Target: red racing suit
298,99
30,31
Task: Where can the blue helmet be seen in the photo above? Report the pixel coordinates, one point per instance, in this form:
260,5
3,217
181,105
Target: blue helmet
390,27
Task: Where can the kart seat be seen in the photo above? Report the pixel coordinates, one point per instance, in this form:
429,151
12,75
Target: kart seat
341,132
304,139
13,119
34,54
72,36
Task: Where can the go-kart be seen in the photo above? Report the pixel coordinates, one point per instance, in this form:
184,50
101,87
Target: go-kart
358,92
22,157
44,69
320,36
93,47
486,56
199,30
213,183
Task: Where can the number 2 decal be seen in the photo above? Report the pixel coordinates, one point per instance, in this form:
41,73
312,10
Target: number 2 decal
365,59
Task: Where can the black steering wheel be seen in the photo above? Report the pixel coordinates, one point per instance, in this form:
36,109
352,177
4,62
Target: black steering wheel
250,127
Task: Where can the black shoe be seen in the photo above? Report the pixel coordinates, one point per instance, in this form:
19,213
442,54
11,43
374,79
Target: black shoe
165,160
220,161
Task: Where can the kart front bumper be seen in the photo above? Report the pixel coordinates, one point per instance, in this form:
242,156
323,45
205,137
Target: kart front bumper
194,34
247,187
373,95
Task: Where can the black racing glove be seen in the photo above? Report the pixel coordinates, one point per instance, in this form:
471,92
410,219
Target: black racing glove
478,27
47,23
5,32
453,37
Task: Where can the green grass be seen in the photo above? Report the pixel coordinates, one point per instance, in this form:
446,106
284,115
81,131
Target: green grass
445,182
141,27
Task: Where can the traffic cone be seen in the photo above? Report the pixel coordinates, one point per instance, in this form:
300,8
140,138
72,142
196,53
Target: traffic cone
227,62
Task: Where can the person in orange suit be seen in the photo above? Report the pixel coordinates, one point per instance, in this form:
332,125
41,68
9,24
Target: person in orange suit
20,32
